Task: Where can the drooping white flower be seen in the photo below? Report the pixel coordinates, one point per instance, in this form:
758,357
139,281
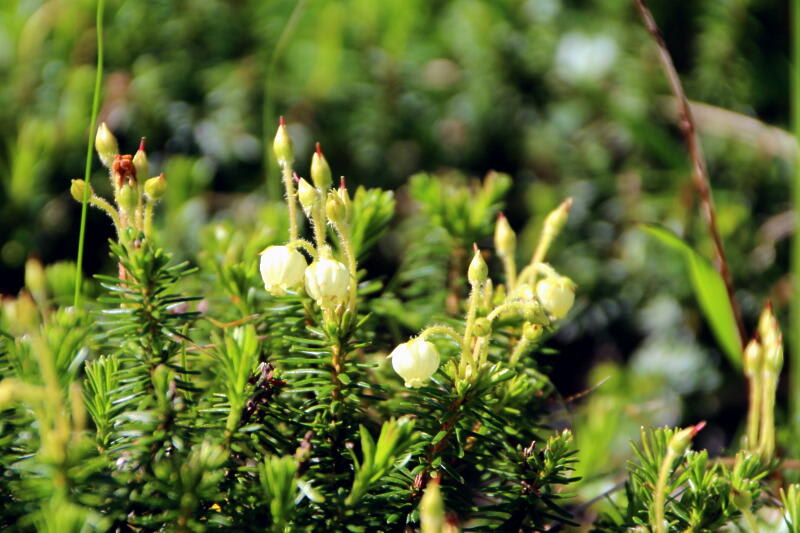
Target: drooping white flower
556,294
282,269
415,361
327,281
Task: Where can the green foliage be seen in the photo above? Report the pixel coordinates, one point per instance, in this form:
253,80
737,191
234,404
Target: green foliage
709,289
702,494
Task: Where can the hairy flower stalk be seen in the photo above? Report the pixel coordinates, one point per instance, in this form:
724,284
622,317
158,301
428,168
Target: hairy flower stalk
505,243
284,153
553,223
676,447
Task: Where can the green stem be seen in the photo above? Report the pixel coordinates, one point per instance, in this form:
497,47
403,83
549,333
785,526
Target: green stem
794,366
101,203
98,80
305,245
754,412
441,330
343,232
520,349
766,441
318,220
148,218
291,200
660,497
466,342
510,268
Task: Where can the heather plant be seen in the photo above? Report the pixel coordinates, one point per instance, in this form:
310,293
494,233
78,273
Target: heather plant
281,380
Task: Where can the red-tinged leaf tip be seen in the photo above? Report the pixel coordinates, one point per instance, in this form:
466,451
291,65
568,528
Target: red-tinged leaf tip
142,144
281,121
319,150
500,216
768,305
475,248
341,183
296,177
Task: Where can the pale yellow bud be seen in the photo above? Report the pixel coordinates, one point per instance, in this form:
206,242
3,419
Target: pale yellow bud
505,240
478,271
320,170
140,161
106,145
532,332
556,219
335,209
78,188
126,198
282,145
155,188
307,195
753,359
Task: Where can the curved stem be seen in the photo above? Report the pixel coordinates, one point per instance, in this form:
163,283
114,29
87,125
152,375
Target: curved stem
441,330
98,80
659,500
100,203
305,245
520,349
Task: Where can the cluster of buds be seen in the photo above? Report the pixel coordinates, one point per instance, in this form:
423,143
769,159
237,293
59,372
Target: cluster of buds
763,361
134,193
525,306
328,281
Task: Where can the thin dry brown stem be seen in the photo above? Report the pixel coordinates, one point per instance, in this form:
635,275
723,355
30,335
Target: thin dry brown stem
699,174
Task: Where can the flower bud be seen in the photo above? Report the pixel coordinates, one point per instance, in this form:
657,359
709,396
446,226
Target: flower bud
556,294
505,240
35,279
431,509
532,332
282,269
742,500
557,217
307,195
78,188
415,361
752,358
327,281
482,327
126,198
767,325
140,161
478,270
106,145
282,145
320,171
344,196
155,188
335,209
680,441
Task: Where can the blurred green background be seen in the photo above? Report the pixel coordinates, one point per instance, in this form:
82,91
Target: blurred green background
565,96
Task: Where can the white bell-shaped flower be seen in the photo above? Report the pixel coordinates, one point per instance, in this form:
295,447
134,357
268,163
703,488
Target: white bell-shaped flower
415,361
282,269
327,281
556,294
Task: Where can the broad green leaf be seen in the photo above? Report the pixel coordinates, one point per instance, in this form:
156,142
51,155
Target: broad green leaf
709,288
